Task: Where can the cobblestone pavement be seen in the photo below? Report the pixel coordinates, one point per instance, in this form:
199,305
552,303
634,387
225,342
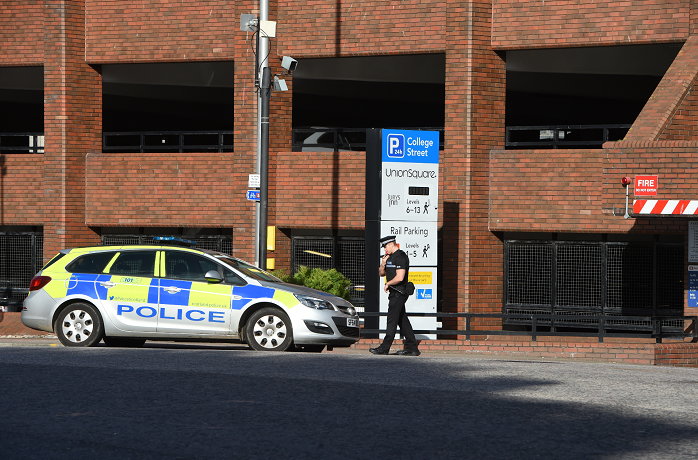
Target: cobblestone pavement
171,400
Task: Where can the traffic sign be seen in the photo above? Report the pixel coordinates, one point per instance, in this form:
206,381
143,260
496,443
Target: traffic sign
253,195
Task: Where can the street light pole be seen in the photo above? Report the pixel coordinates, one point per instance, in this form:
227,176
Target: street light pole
262,63
265,94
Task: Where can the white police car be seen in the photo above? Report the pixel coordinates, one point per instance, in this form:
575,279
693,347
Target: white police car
129,294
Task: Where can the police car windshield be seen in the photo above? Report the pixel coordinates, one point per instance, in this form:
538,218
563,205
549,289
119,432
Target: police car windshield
248,270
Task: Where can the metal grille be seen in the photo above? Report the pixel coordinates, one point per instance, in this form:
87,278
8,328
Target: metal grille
529,271
313,253
629,277
21,256
619,279
351,263
670,286
579,276
220,243
346,255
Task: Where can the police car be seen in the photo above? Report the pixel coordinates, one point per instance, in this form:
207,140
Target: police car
129,294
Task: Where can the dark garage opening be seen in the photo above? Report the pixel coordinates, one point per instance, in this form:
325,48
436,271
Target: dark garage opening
21,109
164,100
570,87
406,91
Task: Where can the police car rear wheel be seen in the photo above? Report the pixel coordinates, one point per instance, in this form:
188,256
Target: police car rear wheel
79,325
269,329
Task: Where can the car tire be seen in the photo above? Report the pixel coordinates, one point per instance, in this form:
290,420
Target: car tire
269,329
79,325
310,348
123,342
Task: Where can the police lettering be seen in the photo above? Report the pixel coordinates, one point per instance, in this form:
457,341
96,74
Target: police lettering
181,314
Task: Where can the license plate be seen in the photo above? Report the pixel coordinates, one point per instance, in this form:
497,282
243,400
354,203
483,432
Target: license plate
352,322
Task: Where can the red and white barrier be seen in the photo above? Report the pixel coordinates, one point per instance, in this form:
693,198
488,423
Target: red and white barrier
665,207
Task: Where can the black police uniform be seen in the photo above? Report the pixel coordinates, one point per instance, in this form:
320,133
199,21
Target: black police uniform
397,296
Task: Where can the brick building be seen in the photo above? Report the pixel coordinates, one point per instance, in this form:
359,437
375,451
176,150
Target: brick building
543,107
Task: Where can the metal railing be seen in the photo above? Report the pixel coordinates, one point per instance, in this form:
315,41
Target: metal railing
563,136
658,332
167,141
334,139
22,142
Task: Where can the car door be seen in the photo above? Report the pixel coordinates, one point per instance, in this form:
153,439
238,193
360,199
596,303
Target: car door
188,302
128,290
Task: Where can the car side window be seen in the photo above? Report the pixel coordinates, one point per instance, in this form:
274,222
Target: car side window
188,266
134,263
233,278
90,263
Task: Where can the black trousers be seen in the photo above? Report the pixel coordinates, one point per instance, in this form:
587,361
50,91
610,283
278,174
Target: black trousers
397,317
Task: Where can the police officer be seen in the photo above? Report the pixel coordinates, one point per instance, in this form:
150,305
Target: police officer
395,266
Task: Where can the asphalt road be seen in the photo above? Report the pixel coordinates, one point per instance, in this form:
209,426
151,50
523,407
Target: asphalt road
170,401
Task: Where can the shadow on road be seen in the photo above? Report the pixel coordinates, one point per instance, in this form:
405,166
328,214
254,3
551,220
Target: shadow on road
178,401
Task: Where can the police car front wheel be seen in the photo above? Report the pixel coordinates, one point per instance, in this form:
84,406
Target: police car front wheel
79,325
269,329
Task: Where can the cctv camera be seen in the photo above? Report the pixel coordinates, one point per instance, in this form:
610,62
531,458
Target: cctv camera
289,63
279,85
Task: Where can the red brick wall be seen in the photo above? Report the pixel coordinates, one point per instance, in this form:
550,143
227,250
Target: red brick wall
319,189
162,190
21,32
576,190
21,190
474,125
72,125
349,27
612,350
561,23
548,191
683,125
163,30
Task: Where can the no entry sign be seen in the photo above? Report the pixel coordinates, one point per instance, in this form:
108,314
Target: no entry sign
646,185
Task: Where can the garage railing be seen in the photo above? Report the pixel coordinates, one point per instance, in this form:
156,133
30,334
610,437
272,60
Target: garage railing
662,327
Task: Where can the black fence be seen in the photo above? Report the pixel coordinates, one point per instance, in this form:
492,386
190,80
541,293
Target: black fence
168,141
22,142
548,325
220,243
335,139
563,136
21,256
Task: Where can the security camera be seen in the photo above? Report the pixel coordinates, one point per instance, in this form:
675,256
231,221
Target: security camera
279,85
288,63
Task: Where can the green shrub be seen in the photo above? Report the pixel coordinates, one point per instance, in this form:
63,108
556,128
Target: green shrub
330,281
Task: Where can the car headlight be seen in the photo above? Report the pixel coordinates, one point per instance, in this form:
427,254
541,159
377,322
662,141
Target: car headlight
313,302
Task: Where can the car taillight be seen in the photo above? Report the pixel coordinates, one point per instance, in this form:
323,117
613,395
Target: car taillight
38,282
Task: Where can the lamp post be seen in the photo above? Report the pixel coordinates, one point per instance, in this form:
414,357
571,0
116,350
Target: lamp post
265,94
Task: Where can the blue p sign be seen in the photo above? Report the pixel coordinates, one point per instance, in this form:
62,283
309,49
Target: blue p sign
396,146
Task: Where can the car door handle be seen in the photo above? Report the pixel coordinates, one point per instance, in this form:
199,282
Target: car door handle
107,284
172,289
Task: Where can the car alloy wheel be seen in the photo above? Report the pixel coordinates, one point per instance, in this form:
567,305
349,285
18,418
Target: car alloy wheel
269,329
79,325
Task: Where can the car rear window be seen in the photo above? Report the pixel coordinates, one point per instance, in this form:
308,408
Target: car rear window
90,263
55,259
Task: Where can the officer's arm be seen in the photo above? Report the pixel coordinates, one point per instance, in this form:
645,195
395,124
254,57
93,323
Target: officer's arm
381,269
399,276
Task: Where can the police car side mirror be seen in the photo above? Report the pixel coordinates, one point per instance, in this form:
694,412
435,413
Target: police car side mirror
212,276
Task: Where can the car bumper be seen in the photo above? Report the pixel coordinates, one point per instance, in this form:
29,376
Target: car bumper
325,327
37,312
